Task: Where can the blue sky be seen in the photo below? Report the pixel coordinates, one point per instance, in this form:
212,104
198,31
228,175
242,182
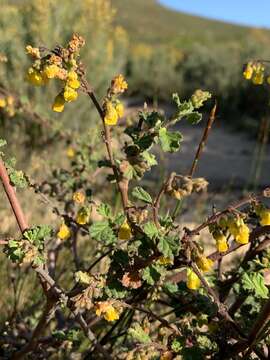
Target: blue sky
246,12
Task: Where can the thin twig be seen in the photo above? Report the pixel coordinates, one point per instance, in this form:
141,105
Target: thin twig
203,140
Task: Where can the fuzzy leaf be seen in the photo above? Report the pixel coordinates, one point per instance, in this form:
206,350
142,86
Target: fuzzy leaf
101,231
169,141
140,194
255,283
138,334
150,230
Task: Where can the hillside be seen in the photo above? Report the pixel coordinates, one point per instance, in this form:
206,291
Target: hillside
149,21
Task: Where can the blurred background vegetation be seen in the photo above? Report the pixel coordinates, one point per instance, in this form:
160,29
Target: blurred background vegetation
159,50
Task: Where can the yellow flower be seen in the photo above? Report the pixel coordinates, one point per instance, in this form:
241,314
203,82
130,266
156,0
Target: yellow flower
111,115
258,74
119,84
3,102
64,232
51,71
239,230
258,77
72,75
242,237
106,309
221,242
72,80
119,109
124,232
204,263
248,71
70,152
222,245
59,103
83,216
35,77
265,217
193,282
74,84
78,197
70,94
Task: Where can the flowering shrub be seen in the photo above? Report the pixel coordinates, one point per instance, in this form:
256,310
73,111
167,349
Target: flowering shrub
148,290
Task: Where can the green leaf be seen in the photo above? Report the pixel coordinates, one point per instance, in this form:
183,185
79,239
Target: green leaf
130,172
116,290
82,277
140,194
138,334
169,246
151,274
17,178
2,142
101,231
149,158
152,119
199,97
104,210
255,283
145,142
194,118
151,230
164,247
37,234
185,108
172,288
169,141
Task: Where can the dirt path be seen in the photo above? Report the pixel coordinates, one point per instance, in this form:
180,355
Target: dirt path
228,159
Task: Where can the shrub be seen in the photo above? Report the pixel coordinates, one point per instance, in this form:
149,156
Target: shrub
139,286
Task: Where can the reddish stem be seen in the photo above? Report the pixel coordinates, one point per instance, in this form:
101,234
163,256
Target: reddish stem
10,192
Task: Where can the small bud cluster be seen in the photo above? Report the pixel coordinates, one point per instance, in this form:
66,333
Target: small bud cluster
255,71
112,107
183,186
60,64
7,104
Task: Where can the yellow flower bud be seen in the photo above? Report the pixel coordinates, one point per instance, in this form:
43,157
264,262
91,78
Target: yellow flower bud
193,282
120,109
204,263
106,309
70,94
10,100
242,237
3,102
221,241
34,77
265,217
258,78
119,84
165,260
248,71
111,115
64,232
59,103
124,232
70,152
83,216
78,197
